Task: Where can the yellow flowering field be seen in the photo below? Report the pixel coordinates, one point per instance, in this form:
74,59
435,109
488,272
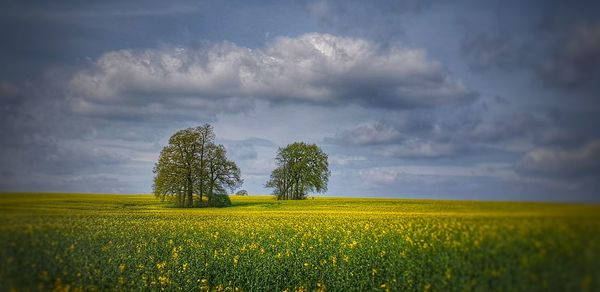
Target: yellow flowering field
134,242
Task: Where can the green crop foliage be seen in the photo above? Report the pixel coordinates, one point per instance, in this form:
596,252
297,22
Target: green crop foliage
134,242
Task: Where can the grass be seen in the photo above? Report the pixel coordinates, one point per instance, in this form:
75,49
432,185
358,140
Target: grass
135,242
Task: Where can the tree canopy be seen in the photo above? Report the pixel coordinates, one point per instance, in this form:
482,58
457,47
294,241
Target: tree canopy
301,168
192,164
241,193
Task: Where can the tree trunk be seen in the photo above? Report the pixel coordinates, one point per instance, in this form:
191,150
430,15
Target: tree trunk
202,163
210,190
190,193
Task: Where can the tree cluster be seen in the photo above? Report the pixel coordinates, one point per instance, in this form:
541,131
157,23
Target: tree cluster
192,170
241,193
301,168
192,167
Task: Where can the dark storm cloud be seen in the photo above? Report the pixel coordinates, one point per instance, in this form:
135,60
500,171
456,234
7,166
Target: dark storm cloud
37,34
380,20
576,62
389,183
41,144
46,146
486,51
486,126
558,44
8,91
557,41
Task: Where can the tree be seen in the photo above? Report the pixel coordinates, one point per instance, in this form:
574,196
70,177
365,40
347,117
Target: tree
301,168
193,164
241,193
169,179
222,174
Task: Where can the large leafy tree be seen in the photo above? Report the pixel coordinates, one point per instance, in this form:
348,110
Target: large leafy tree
301,168
222,174
193,164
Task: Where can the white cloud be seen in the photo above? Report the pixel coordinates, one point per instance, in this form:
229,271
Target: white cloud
559,162
416,147
368,134
379,175
344,160
391,174
312,68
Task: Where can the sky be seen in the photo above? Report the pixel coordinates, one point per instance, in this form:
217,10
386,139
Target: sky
475,100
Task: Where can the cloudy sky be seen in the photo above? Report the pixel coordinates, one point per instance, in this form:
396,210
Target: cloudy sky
488,100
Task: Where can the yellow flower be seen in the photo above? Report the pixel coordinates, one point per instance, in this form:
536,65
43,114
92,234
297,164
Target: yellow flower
204,285
353,244
384,286
164,280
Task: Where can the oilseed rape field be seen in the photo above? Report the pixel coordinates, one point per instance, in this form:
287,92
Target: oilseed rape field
135,242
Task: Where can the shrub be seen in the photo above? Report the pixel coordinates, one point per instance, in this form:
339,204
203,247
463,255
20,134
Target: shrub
219,200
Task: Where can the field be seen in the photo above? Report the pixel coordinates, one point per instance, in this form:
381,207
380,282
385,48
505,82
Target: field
134,242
